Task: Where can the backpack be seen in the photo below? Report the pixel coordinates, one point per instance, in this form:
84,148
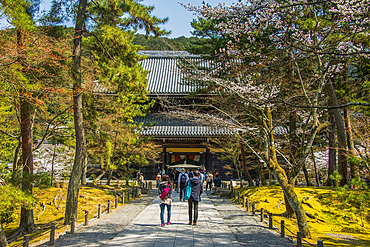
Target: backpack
187,192
183,178
164,193
190,174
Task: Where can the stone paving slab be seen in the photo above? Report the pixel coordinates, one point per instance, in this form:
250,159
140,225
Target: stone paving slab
246,228
145,229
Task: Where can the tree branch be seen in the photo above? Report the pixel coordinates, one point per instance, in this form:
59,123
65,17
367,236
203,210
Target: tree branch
10,135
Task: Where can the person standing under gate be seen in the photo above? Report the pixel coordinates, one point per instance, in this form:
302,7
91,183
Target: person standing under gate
182,182
209,179
196,190
158,178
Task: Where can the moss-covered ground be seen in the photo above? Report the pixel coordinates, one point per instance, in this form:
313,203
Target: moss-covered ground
331,221
54,200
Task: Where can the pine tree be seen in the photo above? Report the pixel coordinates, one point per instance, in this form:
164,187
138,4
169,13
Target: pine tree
111,20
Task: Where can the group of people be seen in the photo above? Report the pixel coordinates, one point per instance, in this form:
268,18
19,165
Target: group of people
212,178
179,181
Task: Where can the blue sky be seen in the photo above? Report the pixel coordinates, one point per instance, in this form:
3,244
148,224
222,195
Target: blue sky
179,17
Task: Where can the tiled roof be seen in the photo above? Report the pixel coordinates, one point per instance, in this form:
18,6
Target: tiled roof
167,54
280,130
169,127
165,77
177,127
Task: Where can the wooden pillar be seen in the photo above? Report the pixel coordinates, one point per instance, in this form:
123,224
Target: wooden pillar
209,160
52,235
164,157
26,241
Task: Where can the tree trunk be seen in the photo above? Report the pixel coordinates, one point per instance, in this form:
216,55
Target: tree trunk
292,138
3,241
84,172
245,170
261,174
289,212
306,175
342,147
244,163
112,159
99,177
110,174
27,223
332,164
74,182
350,143
280,176
292,199
314,166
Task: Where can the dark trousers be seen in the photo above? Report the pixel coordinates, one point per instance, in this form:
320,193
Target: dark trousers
182,190
210,185
191,203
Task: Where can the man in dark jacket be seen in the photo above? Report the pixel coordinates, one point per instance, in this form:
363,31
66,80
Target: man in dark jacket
196,190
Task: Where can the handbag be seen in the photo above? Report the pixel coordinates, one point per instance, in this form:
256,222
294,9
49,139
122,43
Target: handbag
187,191
164,193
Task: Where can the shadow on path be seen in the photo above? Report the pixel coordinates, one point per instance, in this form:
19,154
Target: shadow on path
245,227
100,231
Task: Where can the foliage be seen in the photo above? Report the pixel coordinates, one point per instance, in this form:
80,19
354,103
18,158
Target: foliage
211,38
163,43
10,199
8,123
279,56
42,179
19,12
361,130
41,85
231,151
352,196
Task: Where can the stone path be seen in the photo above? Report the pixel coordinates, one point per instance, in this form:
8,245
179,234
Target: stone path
247,229
220,223
145,229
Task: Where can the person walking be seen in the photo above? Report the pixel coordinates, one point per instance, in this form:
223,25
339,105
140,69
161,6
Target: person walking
165,189
176,182
190,173
214,173
209,178
201,176
137,176
172,176
158,178
196,190
141,180
217,181
182,182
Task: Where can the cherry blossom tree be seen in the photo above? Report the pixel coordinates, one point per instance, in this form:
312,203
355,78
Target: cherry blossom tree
287,54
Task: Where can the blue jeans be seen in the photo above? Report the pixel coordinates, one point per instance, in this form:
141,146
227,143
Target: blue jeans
168,212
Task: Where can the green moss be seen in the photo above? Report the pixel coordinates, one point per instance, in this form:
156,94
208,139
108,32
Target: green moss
55,199
334,222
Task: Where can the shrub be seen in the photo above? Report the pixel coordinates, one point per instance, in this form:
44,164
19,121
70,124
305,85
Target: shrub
10,199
